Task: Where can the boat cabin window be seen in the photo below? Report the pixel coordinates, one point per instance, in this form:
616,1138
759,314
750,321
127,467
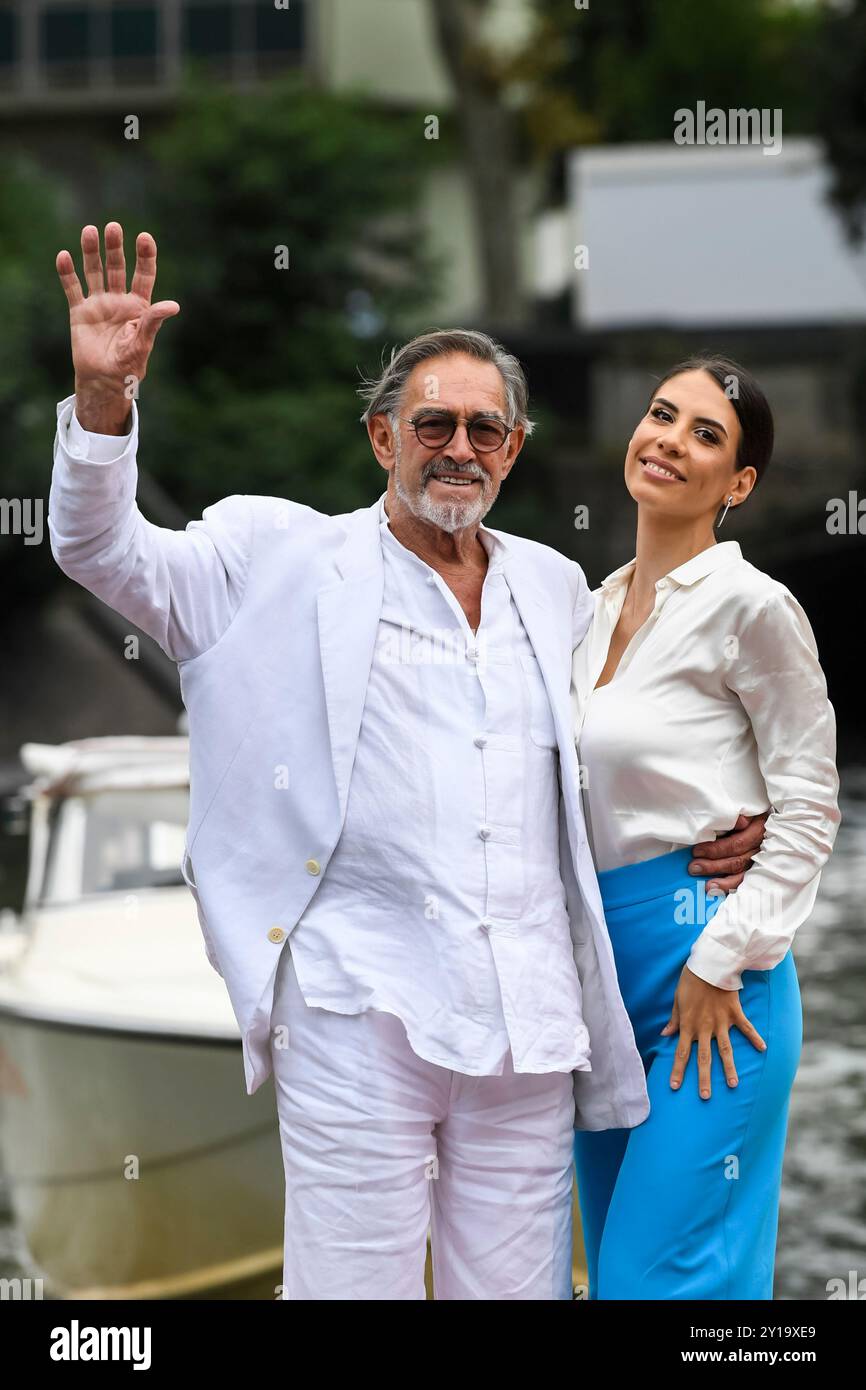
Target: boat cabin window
115,841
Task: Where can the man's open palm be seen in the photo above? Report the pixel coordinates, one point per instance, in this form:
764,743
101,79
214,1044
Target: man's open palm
113,330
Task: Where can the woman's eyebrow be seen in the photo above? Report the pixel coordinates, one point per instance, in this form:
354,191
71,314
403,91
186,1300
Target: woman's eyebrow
699,419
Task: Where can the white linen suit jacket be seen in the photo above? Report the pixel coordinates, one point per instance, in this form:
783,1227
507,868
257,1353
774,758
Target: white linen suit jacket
271,610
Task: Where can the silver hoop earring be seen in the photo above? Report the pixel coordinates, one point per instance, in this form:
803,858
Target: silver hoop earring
725,512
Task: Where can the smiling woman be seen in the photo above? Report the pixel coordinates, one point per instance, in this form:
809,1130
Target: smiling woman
699,700
745,413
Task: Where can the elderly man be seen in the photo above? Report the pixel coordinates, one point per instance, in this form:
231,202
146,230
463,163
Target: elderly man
385,839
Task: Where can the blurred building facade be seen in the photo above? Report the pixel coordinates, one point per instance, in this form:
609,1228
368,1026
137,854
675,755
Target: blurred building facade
78,59
686,249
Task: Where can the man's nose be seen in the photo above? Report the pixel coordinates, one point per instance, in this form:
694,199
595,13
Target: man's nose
460,448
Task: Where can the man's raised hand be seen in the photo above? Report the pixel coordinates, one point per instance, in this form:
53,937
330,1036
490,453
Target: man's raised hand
113,330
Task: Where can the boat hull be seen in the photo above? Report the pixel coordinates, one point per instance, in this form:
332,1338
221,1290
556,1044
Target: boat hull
137,1165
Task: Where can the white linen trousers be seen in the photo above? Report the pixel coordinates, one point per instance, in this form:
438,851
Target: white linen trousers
380,1144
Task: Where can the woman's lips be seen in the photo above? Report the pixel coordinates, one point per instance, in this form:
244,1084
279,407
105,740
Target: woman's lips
651,466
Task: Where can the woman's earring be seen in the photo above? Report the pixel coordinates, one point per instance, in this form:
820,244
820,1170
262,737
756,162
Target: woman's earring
725,512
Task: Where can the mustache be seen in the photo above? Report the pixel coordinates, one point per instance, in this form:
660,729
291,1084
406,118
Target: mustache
462,470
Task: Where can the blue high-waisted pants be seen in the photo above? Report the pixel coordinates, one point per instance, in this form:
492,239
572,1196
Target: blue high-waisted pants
686,1204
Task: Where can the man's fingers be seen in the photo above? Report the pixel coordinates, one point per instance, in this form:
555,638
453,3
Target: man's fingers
707,848
153,320
115,264
92,260
720,869
726,884
68,279
742,842
145,266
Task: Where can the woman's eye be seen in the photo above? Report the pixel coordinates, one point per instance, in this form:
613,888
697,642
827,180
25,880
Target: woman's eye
708,436
660,413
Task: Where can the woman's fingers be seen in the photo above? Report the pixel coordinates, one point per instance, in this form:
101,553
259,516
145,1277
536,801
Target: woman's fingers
726,1053
92,260
115,264
144,276
705,1058
68,279
681,1057
751,1033
673,1022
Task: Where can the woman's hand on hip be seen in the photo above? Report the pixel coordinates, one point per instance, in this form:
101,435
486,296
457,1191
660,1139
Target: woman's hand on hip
701,1012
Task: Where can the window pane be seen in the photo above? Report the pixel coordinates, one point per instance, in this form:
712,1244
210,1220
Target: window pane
207,30
65,35
116,841
8,37
133,32
279,31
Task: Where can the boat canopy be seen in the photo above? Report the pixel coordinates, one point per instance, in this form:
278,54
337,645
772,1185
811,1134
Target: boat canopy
98,764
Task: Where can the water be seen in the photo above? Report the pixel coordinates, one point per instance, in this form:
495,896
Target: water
822,1225
822,1222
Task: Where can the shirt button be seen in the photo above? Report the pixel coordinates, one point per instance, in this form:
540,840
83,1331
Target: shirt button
486,924
276,935
430,579
76,451
662,584
471,653
485,832
480,741
313,866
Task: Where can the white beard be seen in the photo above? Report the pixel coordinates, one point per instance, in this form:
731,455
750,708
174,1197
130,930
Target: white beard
446,516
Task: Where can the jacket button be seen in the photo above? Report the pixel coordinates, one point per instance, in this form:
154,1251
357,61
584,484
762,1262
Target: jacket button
276,935
313,866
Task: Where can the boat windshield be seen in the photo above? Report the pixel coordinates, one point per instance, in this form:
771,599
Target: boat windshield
115,841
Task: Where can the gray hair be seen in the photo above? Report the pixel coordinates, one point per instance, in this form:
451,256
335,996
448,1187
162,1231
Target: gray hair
384,394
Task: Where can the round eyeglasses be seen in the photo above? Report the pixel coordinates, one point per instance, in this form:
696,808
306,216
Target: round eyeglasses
434,431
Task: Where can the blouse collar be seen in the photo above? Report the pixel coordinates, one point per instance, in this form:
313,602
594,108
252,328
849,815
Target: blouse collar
722,553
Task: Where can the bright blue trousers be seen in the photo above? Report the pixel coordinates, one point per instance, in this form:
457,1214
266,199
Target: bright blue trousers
686,1204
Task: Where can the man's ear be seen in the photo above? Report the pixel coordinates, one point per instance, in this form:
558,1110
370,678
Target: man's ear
382,440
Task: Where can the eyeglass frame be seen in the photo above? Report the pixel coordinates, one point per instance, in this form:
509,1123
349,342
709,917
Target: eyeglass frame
456,422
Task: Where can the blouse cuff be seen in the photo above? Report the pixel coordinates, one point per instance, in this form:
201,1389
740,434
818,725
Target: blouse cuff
714,963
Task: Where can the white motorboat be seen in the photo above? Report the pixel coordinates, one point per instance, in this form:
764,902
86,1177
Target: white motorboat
137,1165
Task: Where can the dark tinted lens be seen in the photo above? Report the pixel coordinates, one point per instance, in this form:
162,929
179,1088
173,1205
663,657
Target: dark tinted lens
434,429
487,434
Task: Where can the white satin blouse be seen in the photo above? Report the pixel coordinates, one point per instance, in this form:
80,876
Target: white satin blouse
718,706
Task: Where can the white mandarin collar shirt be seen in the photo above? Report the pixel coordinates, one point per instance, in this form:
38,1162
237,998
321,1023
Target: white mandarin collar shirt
718,706
443,902
496,547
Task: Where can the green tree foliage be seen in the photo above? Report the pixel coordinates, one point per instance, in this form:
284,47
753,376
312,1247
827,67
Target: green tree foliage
35,365
253,387
618,71
839,78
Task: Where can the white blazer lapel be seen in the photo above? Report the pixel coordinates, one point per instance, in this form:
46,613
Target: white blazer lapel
549,631
348,618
